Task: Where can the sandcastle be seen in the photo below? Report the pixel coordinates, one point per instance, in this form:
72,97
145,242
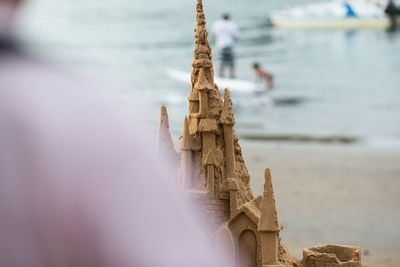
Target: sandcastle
214,175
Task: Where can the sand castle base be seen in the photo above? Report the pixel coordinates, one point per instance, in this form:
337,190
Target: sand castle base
332,255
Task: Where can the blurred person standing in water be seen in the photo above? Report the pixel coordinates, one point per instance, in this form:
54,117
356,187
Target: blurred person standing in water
225,33
78,183
392,11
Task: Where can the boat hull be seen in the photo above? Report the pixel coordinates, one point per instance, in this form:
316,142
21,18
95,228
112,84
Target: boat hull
333,14
347,23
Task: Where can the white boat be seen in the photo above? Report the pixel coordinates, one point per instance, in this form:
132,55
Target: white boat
333,14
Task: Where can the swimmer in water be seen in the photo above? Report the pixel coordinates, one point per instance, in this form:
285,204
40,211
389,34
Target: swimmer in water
263,75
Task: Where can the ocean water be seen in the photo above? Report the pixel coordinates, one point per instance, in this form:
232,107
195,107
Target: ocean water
331,85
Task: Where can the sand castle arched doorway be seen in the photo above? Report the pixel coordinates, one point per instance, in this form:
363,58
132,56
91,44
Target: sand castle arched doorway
248,249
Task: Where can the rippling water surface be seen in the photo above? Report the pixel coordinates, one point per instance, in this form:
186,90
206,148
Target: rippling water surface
329,83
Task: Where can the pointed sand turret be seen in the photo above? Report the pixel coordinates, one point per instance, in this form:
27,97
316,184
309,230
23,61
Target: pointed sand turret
210,163
165,143
269,217
185,143
186,146
227,117
202,83
268,225
228,120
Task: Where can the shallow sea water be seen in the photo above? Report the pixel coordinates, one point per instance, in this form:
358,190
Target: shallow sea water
345,83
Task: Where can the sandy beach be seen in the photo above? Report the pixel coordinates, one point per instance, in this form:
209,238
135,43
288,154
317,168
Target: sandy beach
341,194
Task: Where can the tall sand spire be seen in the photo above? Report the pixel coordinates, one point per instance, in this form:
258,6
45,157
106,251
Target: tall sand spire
202,50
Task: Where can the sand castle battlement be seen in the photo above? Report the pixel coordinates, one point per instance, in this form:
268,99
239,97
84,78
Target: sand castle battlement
214,174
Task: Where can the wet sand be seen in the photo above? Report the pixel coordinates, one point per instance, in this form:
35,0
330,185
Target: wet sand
341,194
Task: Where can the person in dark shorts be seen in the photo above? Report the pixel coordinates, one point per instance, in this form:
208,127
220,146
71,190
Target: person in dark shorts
225,33
227,57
